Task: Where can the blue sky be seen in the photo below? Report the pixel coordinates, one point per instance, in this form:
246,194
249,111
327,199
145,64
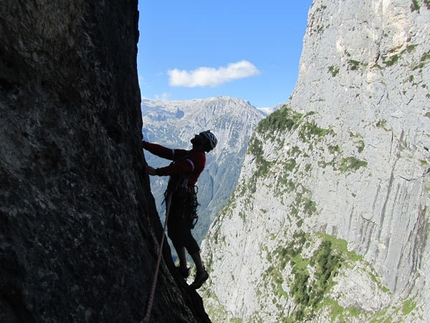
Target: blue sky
199,49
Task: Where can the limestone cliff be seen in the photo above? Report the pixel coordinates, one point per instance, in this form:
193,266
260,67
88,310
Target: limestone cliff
78,228
330,219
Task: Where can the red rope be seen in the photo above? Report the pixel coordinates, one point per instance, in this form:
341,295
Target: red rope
154,282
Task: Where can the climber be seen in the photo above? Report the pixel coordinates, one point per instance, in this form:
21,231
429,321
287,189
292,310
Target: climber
184,171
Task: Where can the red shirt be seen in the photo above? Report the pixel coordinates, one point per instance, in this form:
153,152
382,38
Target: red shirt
188,162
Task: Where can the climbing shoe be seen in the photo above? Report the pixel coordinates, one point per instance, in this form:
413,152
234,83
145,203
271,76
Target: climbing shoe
200,279
185,272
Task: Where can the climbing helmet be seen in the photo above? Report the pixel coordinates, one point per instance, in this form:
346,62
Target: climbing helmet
211,139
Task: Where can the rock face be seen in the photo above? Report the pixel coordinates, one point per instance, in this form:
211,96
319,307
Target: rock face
174,123
330,219
79,231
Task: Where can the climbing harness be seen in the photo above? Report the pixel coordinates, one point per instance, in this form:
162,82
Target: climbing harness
193,203
179,187
154,282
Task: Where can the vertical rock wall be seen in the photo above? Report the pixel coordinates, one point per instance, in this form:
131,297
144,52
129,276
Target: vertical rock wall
369,65
78,227
330,219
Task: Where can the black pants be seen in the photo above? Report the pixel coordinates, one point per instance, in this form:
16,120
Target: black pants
179,224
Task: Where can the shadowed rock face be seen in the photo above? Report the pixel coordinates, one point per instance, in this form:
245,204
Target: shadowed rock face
78,228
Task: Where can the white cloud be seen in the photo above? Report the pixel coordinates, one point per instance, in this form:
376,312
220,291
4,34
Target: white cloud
208,76
162,97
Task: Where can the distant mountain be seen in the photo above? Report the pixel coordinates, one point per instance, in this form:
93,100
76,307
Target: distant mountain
270,110
174,123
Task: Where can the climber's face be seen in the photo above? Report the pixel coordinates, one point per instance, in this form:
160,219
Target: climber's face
197,141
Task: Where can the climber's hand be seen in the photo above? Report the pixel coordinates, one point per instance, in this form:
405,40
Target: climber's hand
150,170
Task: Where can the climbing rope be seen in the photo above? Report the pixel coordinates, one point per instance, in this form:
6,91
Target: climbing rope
154,281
